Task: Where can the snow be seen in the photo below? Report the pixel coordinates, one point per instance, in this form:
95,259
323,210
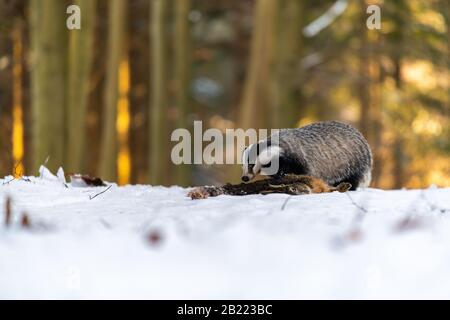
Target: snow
155,243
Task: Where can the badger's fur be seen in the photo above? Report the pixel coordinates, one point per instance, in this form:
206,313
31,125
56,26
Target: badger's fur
332,151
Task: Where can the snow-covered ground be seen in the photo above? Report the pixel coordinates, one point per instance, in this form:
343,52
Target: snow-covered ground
154,242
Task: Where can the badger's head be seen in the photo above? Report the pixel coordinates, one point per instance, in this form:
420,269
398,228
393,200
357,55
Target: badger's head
260,158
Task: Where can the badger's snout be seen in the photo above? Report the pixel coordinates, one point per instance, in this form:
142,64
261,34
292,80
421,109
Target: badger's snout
247,177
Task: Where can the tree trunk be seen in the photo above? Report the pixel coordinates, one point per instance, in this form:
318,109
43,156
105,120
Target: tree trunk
116,28
182,77
363,85
18,118
255,109
49,35
399,155
158,113
139,47
6,103
256,98
286,71
398,146
376,121
80,57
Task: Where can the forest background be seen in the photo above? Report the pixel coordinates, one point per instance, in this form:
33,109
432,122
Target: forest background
103,100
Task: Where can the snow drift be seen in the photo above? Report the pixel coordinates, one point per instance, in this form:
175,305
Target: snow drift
155,242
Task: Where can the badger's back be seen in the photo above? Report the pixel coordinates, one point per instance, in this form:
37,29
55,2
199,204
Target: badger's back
333,151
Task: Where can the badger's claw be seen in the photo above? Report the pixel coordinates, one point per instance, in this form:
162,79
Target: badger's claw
343,187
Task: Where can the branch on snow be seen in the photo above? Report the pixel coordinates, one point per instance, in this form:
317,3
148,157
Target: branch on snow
96,195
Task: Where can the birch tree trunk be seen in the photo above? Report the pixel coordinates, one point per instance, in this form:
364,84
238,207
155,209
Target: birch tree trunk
48,76
116,28
80,57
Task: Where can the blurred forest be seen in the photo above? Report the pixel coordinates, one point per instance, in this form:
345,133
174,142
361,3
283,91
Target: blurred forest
103,100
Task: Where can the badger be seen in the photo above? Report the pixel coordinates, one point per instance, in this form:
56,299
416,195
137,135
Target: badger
332,151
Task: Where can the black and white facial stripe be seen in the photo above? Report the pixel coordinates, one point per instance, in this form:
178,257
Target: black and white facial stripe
258,157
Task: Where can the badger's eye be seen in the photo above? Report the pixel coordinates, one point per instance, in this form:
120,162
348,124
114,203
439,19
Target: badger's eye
267,165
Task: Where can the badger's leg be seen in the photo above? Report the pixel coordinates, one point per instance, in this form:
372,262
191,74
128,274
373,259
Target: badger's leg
342,187
353,180
357,180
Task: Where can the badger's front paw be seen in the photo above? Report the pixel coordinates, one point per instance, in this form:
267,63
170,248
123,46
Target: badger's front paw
343,187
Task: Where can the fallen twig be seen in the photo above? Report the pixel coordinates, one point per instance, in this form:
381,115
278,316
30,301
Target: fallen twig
96,195
354,233
356,205
7,182
285,203
361,211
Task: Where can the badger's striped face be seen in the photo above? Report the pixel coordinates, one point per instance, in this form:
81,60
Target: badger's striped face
248,163
256,158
